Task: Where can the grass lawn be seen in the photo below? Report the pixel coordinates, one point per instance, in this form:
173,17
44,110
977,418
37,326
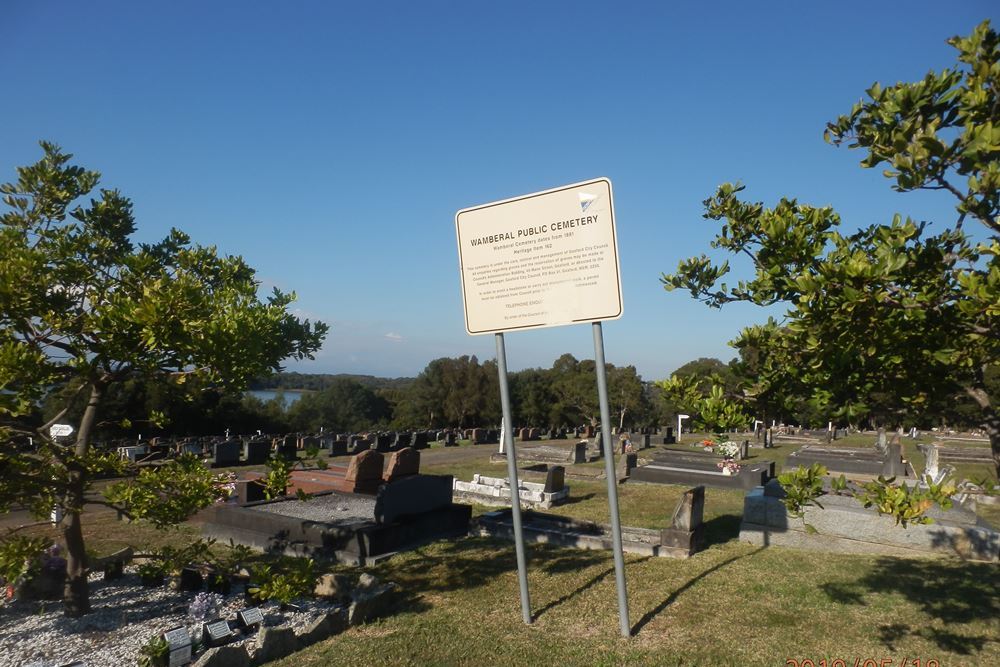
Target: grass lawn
731,604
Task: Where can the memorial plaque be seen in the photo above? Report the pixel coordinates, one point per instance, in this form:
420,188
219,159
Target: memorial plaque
179,644
540,260
217,632
251,617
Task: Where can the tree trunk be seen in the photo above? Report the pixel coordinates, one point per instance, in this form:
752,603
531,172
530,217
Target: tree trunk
76,594
991,422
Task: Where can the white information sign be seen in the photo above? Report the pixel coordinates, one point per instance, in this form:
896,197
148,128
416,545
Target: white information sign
540,260
60,430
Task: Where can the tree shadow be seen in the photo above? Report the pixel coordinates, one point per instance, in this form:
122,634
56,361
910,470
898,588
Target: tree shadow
655,611
951,592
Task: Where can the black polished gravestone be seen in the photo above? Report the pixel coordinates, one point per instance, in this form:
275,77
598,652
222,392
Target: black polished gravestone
250,618
356,444
217,632
402,440
256,452
421,440
178,646
383,442
334,445
287,448
226,453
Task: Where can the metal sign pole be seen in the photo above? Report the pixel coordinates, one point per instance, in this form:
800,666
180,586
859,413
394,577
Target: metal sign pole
515,498
609,467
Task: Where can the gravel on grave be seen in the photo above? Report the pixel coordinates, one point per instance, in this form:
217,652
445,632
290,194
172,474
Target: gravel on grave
331,508
124,616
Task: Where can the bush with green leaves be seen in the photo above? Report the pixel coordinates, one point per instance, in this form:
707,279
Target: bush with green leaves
154,653
18,555
802,487
286,580
904,503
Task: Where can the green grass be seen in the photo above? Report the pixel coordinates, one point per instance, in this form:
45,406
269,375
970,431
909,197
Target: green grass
730,604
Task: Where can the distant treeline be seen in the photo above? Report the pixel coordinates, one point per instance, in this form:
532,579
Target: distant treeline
321,381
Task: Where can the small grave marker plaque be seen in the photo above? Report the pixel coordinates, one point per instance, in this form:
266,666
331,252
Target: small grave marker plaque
217,632
179,644
250,618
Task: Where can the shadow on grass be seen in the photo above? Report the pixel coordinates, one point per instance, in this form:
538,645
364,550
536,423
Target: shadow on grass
722,529
655,611
947,591
580,589
473,562
572,500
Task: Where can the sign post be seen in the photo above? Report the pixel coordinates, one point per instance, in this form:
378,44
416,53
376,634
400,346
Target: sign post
545,259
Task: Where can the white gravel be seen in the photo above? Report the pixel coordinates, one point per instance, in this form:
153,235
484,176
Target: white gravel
332,508
124,616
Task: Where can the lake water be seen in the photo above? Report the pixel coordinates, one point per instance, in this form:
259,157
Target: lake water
267,395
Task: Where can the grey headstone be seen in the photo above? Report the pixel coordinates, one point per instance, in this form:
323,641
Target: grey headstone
690,510
626,464
555,479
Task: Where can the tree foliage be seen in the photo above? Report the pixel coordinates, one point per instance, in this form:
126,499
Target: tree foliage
891,312
83,309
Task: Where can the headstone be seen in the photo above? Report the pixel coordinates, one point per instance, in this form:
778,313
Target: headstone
364,473
668,438
691,510
534,433
580,453
645,441
383,442
744,450
403,463
555,479
450,439
522,434
256,452
626,464
933,457
191,579
178,647
226,453
402,440
250,618
190,448
881,443
768,439
287,448
337,446
217,632
421,440
310,441
478,436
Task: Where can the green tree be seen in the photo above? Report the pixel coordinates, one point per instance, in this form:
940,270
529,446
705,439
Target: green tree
83,308
890,313
345,405
453,392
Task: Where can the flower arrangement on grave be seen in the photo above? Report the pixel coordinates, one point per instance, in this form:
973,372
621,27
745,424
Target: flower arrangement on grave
204,606
728,449
728,467
225,486
707,444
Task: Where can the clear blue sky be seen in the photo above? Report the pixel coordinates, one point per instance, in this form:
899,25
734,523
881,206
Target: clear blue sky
331,143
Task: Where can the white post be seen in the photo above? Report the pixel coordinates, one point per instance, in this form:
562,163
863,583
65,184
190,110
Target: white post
680,418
